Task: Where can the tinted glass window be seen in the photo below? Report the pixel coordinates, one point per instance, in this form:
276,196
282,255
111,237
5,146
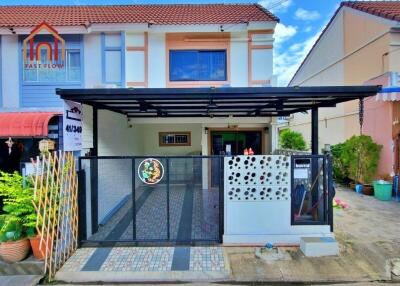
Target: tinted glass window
197,65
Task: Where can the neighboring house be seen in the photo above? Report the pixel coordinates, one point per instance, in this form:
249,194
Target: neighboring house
151,46
360,43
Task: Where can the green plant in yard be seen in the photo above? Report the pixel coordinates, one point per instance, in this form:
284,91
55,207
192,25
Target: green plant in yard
289,139
340,168
19,219
361,156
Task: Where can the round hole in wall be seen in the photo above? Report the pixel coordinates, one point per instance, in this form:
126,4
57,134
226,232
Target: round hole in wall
253,190
237,159
262,178
277,193
253,159
237,174
230,193
269,174
277,162
269,190
246,193
261,162
253,174
230,162
237,190
262,193
269,159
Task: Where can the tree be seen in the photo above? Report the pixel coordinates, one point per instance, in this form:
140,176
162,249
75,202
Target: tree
289,139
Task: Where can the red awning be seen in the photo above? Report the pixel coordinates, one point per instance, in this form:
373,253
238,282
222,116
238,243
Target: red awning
25,124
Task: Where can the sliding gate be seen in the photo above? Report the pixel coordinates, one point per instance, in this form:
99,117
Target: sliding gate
133,200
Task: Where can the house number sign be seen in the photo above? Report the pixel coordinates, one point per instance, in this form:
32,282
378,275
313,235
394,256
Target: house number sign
150,171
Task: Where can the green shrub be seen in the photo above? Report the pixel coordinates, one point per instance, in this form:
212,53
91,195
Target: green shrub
19,219
340,169
360,155
292,140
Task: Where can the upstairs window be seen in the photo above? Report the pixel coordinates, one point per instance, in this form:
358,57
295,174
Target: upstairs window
67,71
197,65
112,59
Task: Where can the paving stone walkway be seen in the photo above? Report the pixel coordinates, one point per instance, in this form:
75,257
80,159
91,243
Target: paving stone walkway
121,264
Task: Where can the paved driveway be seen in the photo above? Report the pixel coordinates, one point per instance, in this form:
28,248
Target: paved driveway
369,236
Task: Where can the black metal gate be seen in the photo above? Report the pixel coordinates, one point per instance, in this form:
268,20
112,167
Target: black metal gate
157,200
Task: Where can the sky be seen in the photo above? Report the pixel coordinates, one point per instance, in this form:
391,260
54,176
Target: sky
301,22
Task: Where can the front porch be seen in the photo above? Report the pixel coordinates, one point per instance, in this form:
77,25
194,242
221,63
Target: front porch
206,197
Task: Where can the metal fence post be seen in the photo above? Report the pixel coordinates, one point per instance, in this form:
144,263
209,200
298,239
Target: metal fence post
330,192
221,198
81,206
133,199
94,173
168,213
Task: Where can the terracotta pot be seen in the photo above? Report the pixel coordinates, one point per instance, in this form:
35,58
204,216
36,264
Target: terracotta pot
14,251
368,190
39,253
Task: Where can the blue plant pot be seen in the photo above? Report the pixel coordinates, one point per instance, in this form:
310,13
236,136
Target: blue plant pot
359,188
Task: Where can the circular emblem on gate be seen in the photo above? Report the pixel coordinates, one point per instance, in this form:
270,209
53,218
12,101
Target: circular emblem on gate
150,171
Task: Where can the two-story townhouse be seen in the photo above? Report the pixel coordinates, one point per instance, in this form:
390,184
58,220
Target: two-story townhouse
358,46
151,46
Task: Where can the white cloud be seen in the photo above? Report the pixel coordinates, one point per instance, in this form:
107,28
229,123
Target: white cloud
283,32
308,29
276,5
306,15
288,60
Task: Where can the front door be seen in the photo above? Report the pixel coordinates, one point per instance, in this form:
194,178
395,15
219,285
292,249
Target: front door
234,142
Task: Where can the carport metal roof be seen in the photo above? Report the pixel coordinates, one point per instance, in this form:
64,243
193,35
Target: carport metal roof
215,102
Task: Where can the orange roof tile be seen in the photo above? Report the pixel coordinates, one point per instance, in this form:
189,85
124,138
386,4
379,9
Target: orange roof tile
175,14
385,9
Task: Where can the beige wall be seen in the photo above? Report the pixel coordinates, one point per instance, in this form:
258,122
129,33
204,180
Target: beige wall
149,137
340,59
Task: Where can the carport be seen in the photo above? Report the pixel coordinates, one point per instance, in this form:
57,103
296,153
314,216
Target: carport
198,196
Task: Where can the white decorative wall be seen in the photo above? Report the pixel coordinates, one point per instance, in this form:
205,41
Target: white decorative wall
257,202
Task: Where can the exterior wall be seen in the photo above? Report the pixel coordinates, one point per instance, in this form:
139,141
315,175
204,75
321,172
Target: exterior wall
328,50
42,94
379,114
116,137
150,140
10,71
157,60
350,52
331,120
239,59
259,56
92,60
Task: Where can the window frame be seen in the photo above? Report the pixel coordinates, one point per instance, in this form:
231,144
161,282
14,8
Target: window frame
170,51
66,80
174,133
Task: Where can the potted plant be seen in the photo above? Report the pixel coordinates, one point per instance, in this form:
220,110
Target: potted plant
14,245
361,156
19,220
